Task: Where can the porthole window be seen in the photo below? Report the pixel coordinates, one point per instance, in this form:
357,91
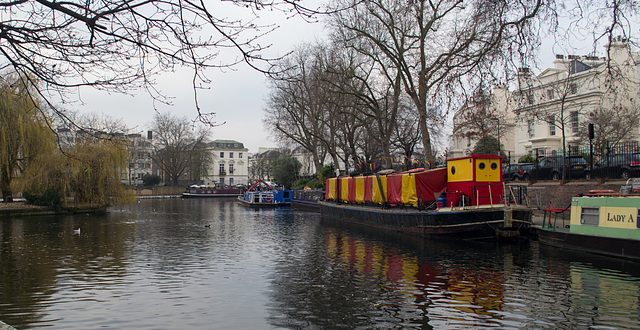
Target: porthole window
482,166
453,170
494,166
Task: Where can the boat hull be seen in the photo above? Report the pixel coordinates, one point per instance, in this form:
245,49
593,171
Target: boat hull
307,200
259,199
261,205
465,223
209,193
611,246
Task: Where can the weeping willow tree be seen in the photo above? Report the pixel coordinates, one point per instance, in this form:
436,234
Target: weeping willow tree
88,171
24,133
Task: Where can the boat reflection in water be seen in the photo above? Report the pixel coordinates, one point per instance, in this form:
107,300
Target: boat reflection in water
601,290
395,279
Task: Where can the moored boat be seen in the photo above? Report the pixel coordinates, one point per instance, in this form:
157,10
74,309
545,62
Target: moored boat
601,222
261,194
206,191
465,200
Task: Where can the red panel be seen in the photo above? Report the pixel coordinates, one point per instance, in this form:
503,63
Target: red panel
394,189
352,190
429,183
368,189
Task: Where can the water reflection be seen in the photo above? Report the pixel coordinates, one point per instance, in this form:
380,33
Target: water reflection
202,264
41,257
367,277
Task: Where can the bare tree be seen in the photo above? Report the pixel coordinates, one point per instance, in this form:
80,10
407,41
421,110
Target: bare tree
175,142
407,135
375,88
433,42
612,126
296,108
120,46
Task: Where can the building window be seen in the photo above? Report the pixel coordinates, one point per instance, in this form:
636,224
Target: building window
574,122
221,154
550,94
221,180
230,168
230,181
532,129
221,169
239,155
231,155
552,125
573,88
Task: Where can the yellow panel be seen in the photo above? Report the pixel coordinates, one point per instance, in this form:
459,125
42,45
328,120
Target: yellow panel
376,195
409,195
344,189
488,170
331,186
460,170
360,189
618,217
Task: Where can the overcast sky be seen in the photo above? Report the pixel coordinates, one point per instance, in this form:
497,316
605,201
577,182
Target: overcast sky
238,95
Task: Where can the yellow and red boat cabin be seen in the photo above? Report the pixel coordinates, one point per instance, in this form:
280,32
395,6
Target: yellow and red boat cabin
471,180
476,177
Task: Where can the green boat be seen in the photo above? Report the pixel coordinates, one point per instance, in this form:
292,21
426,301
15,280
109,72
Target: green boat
602,222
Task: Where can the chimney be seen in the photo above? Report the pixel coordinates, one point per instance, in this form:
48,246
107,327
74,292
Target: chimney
524,78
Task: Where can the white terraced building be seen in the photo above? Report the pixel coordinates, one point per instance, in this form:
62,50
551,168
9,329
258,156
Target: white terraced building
230,165
568,95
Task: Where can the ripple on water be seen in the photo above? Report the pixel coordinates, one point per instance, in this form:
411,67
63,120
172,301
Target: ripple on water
155,265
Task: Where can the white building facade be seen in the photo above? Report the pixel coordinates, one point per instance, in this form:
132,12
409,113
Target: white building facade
561,99
139,159
230,165
564,99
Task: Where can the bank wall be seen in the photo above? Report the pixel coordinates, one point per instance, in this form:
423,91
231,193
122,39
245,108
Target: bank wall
159,191
543,192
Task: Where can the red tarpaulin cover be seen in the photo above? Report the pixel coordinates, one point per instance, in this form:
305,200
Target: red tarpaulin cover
394,189
431,183
368,189
352,190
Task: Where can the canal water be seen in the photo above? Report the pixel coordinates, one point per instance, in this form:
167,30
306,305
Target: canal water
212,264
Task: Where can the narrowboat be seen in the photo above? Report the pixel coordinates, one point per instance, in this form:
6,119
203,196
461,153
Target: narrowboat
261,194
465,200
601,222
207,191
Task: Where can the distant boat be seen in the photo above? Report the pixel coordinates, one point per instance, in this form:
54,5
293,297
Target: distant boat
208,191
262,194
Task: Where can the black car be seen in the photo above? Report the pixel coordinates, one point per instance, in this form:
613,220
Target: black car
516,172
621,165
550,168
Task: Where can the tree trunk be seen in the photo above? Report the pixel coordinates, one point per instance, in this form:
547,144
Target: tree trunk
426,138
5,185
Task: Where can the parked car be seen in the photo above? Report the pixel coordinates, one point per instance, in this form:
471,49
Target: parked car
550,168
621,165
516,172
